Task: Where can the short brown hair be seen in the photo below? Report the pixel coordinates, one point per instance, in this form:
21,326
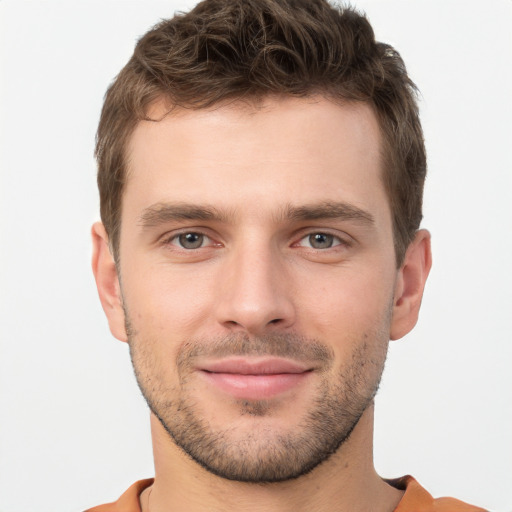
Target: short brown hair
247,49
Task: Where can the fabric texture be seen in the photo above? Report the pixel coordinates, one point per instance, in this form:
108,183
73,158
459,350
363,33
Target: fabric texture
415,499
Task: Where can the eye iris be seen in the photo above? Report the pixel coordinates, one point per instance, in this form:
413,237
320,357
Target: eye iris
321,240
191,240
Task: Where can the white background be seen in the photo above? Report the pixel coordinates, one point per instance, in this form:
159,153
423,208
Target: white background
73,427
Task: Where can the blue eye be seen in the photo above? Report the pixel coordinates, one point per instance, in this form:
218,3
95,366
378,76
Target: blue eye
320,241
190,240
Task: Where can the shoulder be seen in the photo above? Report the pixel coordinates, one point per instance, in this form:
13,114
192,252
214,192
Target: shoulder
129,500
417,499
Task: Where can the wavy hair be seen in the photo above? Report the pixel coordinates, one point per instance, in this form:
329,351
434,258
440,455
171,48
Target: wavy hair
248,49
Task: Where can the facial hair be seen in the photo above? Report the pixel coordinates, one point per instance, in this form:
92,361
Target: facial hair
262,454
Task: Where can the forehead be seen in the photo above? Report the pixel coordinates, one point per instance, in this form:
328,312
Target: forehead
255,158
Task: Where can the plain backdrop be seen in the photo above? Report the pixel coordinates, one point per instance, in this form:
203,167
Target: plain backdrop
74,430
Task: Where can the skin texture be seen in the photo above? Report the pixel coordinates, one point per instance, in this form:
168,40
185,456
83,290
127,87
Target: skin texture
254,233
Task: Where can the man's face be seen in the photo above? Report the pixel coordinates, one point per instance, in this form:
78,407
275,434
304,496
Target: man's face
258,274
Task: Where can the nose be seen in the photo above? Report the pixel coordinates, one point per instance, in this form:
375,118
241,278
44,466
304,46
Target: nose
256,292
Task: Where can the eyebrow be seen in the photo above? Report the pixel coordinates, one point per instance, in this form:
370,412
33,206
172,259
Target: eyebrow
328,210
161,213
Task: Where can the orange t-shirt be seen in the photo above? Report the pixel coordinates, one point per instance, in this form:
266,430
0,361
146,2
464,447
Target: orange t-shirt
415,499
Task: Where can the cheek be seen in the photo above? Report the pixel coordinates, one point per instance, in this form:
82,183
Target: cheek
352,305
165,303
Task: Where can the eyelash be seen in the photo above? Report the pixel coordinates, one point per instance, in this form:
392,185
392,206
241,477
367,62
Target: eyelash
175,237
335,240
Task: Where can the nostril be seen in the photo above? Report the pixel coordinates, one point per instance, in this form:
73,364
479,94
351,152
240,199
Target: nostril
275,321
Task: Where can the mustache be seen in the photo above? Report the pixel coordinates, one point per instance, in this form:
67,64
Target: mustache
286,345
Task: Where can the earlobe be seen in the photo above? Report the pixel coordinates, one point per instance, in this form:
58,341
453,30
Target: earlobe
107,281
410,285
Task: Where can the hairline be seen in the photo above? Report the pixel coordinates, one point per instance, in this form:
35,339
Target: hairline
254,102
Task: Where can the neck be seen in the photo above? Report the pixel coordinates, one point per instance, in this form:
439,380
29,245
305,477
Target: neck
347,481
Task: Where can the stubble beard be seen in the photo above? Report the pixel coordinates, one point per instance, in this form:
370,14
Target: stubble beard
261,455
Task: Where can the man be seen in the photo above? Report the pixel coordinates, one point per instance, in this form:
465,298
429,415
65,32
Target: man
261,167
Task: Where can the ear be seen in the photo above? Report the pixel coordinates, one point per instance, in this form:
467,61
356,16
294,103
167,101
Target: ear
107,281
410,284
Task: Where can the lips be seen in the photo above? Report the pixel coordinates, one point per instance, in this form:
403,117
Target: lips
254,379
255,366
